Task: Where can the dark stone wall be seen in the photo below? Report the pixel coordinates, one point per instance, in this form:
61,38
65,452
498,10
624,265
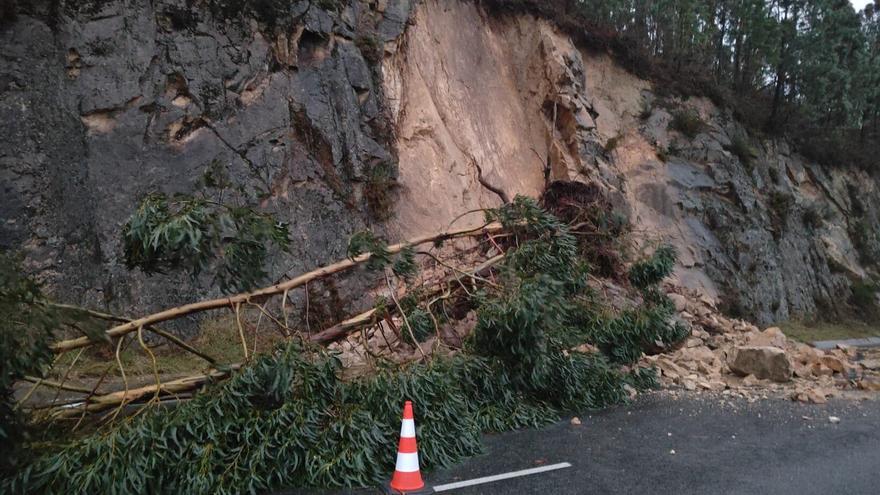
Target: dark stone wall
102,102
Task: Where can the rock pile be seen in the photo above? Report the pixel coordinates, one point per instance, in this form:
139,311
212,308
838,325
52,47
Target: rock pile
735,357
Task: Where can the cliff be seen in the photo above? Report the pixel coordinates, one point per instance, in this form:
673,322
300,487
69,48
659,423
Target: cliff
316,103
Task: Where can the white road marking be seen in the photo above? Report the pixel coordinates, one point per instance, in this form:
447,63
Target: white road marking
499,477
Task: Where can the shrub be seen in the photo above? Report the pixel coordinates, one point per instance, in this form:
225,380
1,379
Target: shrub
687,122
779,204
864,297
379,190
813,217
741,148
370,47
866,241
195,234
25,333
652,271
612,143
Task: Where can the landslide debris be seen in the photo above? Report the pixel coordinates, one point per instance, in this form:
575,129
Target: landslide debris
736,358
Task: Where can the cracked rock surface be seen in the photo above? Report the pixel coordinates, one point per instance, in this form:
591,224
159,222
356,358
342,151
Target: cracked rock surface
104,102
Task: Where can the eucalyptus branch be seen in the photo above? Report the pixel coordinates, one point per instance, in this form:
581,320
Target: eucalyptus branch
402,313
340,266
152,329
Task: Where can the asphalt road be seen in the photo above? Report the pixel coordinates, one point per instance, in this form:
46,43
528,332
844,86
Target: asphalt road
772,446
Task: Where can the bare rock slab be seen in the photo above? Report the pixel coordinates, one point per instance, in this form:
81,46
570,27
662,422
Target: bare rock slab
764,362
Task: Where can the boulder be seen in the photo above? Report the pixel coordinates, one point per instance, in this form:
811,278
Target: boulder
765,362
772,336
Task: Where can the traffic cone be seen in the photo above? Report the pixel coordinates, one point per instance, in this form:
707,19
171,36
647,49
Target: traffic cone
407,477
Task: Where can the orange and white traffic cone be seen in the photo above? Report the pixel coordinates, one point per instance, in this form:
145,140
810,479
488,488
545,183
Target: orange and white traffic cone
407,477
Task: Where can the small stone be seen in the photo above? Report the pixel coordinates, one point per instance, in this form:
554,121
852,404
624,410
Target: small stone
833,420
816,397
749,381
672,451
576,421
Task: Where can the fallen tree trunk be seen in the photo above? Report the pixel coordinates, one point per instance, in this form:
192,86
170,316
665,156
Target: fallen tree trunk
231,301
345,327
187,384
115,399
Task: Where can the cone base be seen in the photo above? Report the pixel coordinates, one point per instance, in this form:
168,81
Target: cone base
387,490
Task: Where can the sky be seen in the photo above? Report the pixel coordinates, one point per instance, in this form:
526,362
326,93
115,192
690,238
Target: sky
860,4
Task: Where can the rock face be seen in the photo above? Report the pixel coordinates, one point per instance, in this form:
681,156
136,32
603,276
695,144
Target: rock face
764,362
759,229
102,102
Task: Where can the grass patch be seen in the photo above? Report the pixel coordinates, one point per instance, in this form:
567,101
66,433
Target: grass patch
218,337
811,331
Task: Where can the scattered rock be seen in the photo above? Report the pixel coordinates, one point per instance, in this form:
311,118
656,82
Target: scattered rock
576,421
869,384
764,362
738,360
679,300
819,369
833,363
871,364
833,420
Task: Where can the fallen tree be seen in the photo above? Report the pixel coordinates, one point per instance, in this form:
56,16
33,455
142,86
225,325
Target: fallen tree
108,400
291,417
277,289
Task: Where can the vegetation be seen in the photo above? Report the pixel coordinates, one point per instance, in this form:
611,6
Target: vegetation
866,241
24,349
809,69
779,205
379,190
811,331
740,147
194,233
290,419
864,298
814,216
687,122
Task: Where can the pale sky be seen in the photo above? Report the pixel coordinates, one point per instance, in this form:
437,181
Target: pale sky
860,4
